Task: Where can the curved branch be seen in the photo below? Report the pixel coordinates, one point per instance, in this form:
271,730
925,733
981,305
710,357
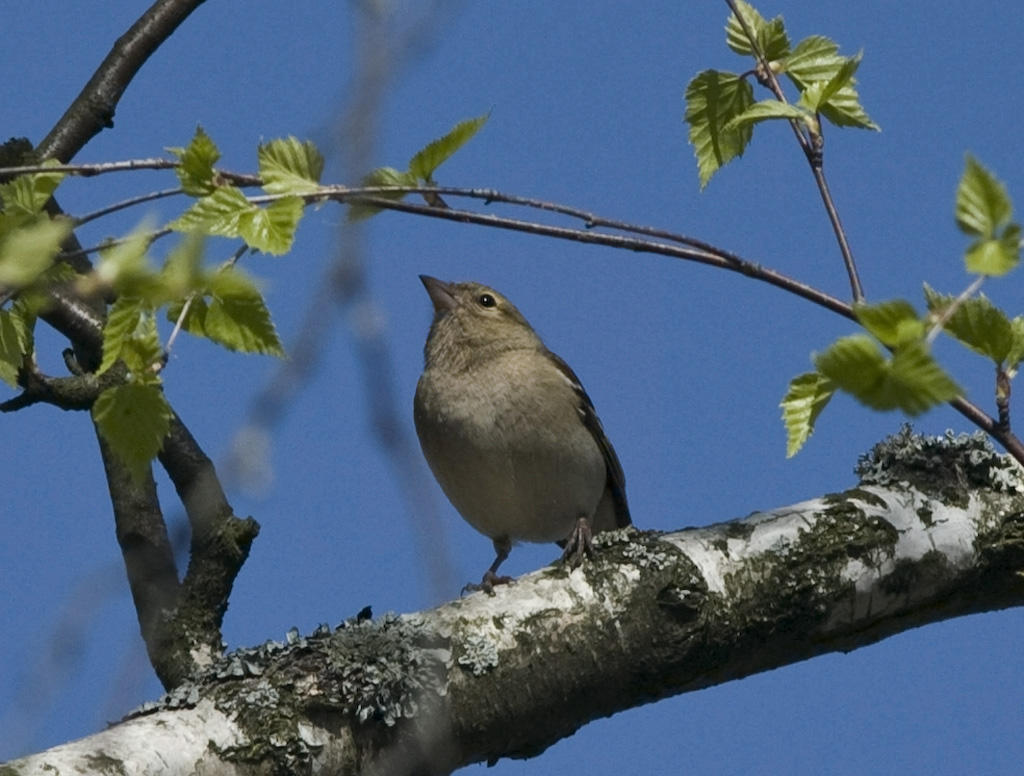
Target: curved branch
93,109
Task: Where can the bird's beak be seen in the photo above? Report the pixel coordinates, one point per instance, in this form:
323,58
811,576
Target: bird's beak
440,294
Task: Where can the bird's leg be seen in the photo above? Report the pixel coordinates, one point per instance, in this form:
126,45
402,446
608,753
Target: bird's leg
579,543
502,546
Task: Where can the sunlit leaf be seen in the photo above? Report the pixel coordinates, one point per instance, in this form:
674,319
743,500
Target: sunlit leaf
28,194
894,322
426,161
237,316
15,343
713,100
382,176
27,252
807,396
220,213
976,323
982,202
134,420
122,321
911,380
272,229
766,110
290,166
195,169
770,35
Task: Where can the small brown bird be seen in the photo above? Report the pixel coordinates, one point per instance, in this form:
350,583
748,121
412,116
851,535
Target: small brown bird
509,432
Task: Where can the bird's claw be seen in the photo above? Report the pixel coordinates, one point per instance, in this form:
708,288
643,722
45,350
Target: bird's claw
488,583
579,544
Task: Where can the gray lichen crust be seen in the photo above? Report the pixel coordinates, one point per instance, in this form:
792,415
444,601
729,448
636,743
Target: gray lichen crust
367,671
947,467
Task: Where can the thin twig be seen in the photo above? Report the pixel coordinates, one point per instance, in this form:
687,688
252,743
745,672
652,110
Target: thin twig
124,204
947,313
90,170
811,144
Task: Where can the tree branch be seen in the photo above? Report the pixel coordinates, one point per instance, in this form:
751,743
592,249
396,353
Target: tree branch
149,564
812,145
219,546
652,616
93,109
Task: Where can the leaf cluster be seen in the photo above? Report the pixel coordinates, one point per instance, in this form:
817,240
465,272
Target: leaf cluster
720,106
422,166
890,366
222,304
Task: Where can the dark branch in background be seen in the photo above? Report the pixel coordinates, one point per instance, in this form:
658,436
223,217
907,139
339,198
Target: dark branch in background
812,145
149,563
174,618
219,547
93,109
382,52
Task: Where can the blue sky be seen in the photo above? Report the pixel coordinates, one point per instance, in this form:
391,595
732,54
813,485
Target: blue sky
686,365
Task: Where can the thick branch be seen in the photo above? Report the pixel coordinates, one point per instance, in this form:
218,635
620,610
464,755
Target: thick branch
93,109
219,547
483,678
149,563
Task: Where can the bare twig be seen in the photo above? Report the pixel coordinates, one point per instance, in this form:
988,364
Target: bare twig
125,204
947,313
89,170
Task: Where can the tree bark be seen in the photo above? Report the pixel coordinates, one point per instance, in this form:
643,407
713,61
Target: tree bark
654,615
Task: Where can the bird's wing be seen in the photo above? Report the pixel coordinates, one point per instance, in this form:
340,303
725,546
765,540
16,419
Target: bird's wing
616,477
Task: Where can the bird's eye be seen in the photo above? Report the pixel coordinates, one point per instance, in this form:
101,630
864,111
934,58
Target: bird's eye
486,300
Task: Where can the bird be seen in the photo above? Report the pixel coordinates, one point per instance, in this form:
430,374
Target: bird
509,432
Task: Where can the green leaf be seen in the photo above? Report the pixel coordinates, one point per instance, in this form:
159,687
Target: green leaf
713,100
982,202
844,110
194,321
27,252
427,160
769,109
272,229
993,257
818,93
15,343
1016,354
290,166
826,82
911,380
143,354
26,195
125,266
770,36
382,176
220,213
122,321
134,420
894,323
195,169
813,59
807,396
182,273
976,323
237,317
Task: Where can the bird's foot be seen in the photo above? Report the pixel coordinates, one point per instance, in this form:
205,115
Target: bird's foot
488,583
580,543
